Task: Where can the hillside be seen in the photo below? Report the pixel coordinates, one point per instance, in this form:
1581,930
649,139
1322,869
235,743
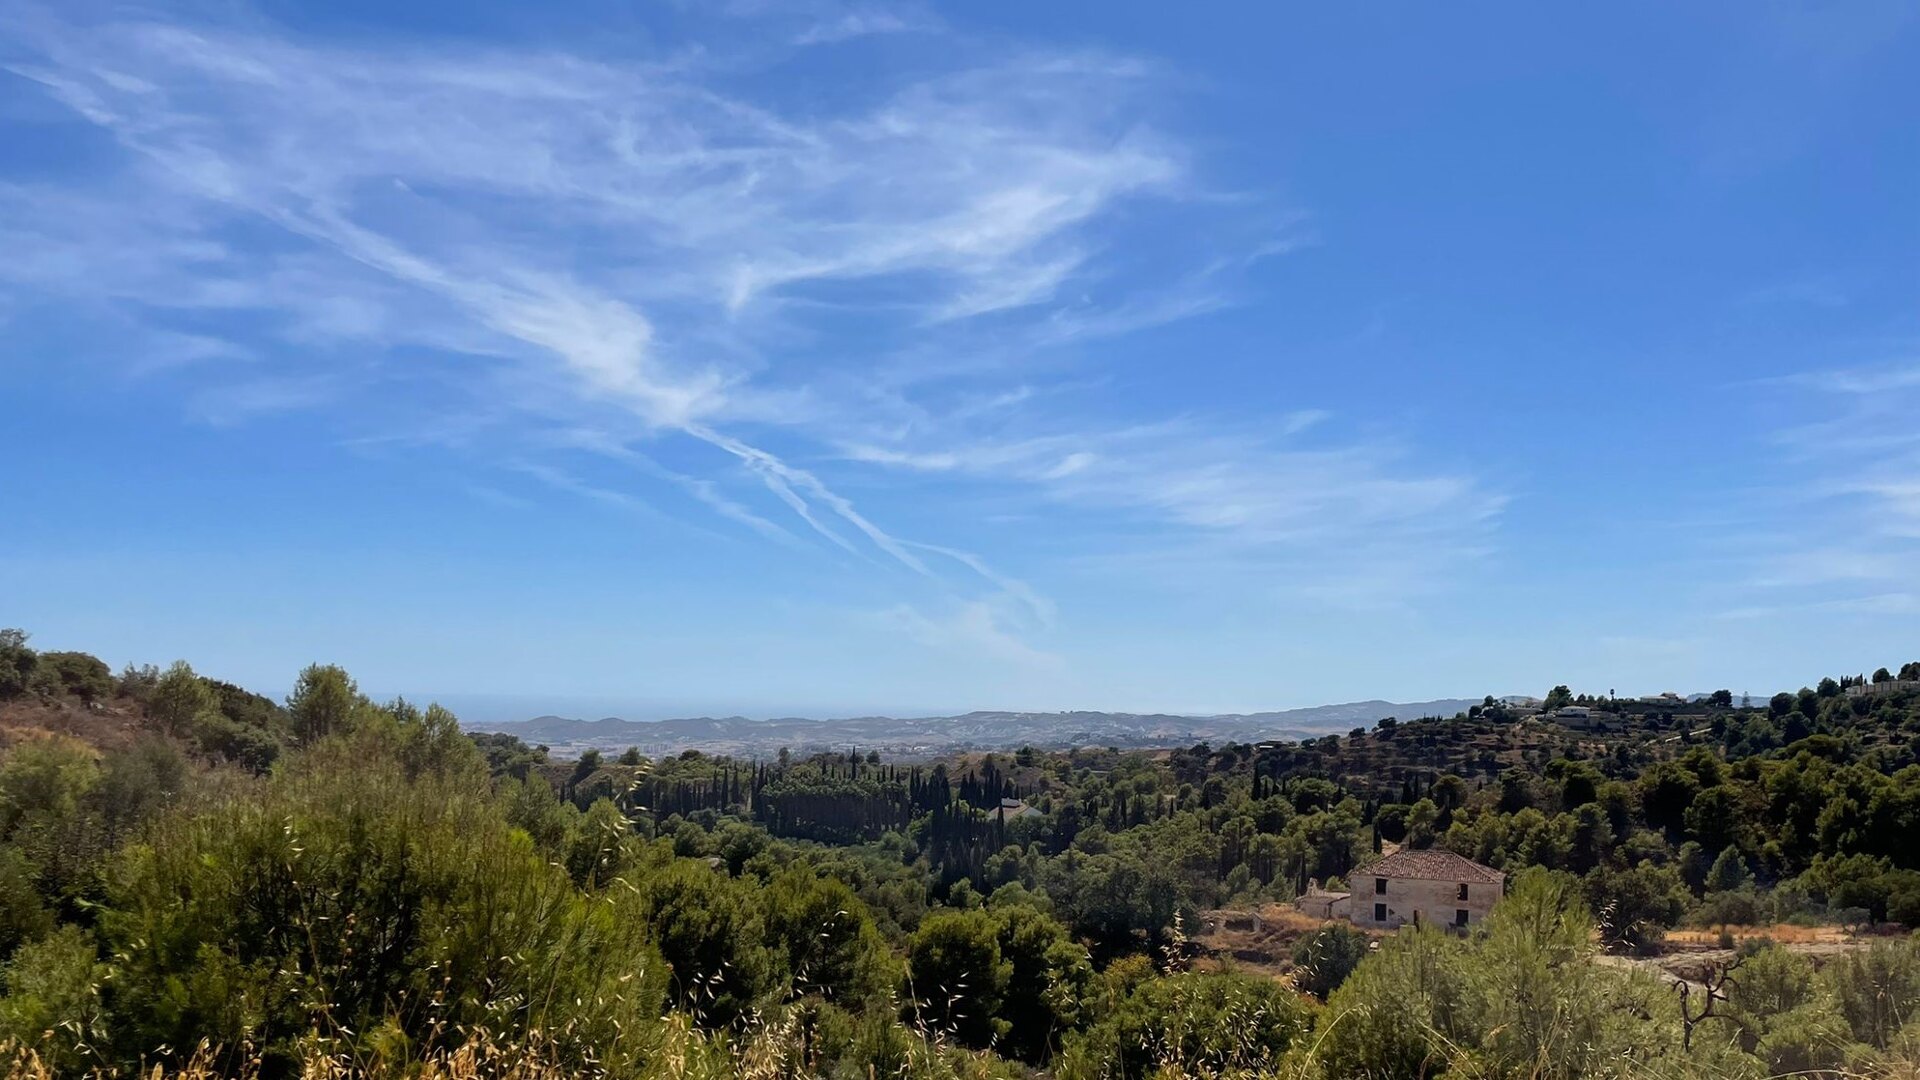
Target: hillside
932,736
337,886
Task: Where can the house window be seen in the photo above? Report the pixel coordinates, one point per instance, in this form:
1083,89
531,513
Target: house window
1460,917
1379,886
1462,895
1379,913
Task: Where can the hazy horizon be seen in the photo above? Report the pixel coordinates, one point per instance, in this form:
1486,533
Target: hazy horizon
491,709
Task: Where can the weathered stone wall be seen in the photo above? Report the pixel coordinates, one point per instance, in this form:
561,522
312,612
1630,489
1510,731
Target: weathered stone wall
1322,905
1432,901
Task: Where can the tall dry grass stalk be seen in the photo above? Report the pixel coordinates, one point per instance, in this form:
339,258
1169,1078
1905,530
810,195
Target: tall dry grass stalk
479,1058
767,1047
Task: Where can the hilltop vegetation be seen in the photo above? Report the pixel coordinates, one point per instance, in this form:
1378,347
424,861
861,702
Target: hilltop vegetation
200,878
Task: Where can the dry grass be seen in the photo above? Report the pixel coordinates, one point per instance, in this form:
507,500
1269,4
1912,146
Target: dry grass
113,724
481,1058
1227,943
768,1054
1782,933
769,1047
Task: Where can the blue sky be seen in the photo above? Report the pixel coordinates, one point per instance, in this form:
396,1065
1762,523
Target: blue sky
817,358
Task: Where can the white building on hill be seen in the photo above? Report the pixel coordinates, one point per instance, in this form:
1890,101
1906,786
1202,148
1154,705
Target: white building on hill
1411,886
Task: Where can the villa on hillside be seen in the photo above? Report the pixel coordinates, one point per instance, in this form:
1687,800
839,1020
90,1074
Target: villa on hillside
1884,686
1015,809
1430,886
1579,717
1411,886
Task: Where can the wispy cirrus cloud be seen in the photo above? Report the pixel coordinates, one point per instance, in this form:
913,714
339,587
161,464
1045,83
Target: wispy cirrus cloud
1261,489
1842,517
562,255
973,626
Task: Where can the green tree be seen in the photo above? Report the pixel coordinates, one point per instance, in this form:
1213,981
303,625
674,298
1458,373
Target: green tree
431,742
1047,977
1666,792
179,699
17,662
957,979
1558,698
324,701
1729,871
825,938
711,934
1636,907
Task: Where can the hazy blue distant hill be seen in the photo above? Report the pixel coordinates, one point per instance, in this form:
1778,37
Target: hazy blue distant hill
983,730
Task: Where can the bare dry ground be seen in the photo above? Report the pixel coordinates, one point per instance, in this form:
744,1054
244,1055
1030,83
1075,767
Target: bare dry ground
1690,954
107,725
1258,940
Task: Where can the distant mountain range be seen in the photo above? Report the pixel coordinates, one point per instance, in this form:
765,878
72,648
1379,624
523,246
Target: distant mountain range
930,736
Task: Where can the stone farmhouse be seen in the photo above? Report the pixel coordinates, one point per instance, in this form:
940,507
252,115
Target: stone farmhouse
1411,886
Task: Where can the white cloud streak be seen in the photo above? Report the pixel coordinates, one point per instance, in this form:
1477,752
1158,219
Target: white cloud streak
643,250
1846,512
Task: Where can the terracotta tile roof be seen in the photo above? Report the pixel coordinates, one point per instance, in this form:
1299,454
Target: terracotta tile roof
1430,866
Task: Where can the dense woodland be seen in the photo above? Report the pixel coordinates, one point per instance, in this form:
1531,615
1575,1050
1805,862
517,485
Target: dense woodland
200,878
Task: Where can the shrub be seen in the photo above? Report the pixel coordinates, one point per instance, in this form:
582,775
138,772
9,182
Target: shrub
17,662
1771,981
23,916
79,674
1394,1012
52,1003
1877,989
1191,1025
1812,1039
1727,909
249,747
1323,959
345,904
50,812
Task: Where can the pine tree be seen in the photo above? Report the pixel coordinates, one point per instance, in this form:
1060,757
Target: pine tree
1729,872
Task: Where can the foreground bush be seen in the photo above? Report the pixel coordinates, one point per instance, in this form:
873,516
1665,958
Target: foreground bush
347,907
1191,1025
